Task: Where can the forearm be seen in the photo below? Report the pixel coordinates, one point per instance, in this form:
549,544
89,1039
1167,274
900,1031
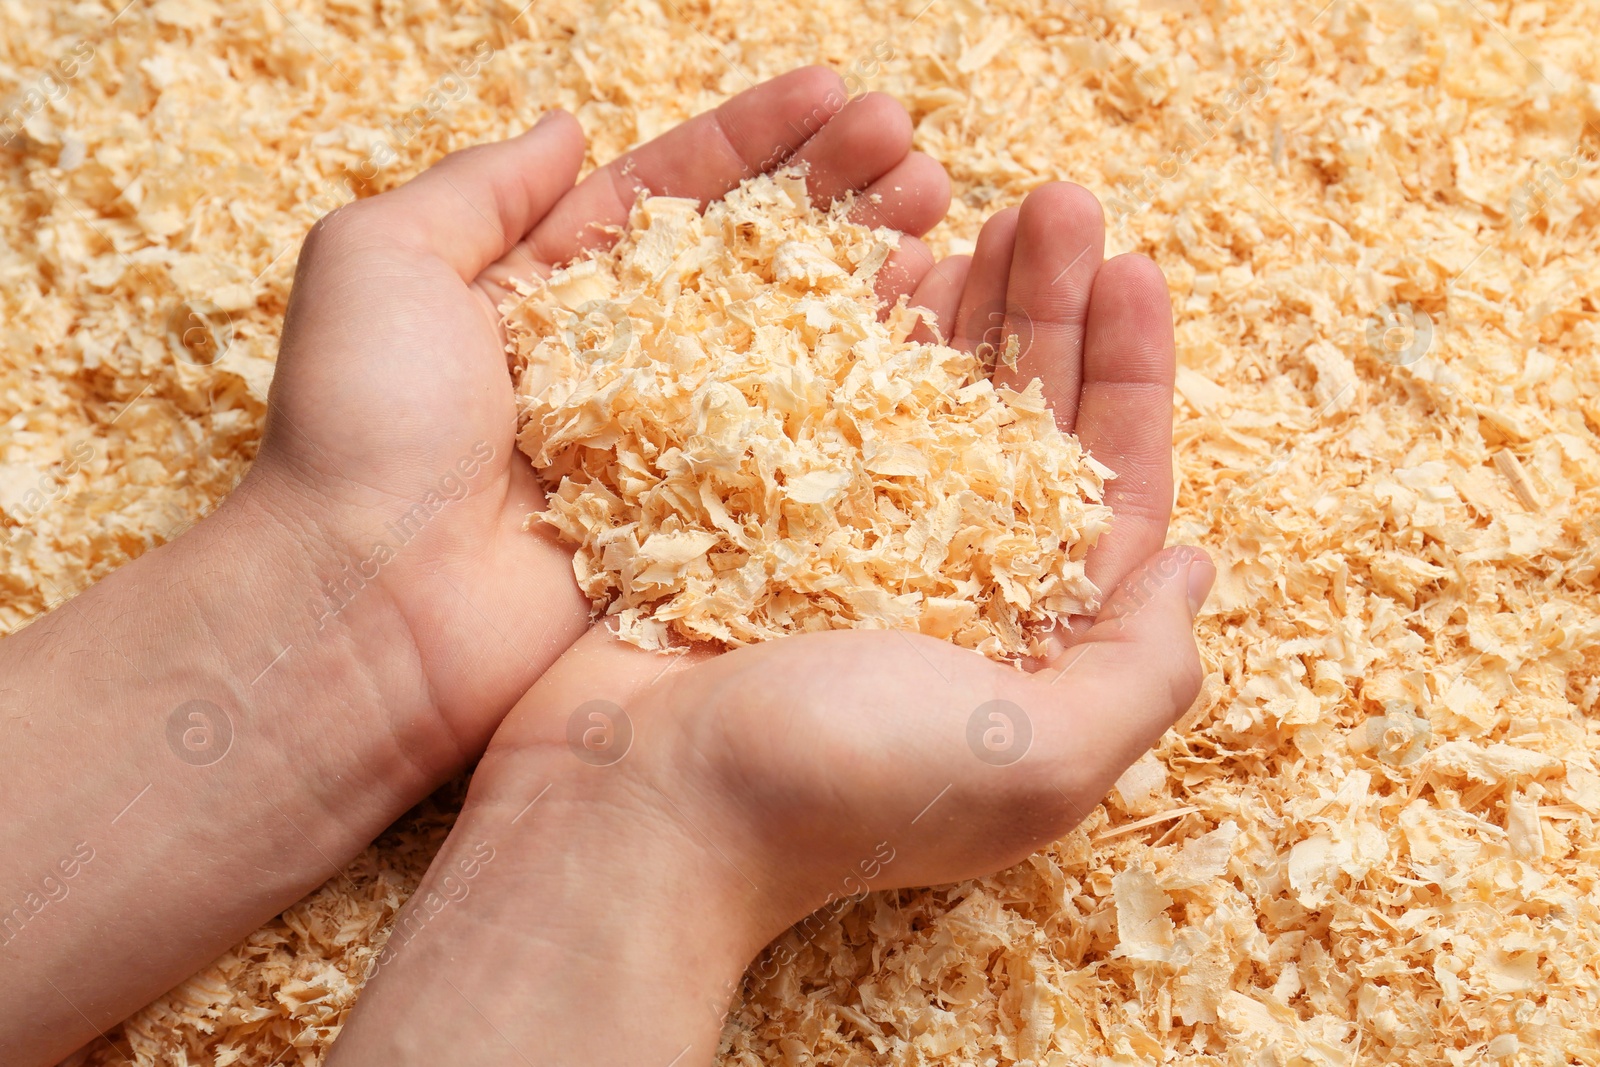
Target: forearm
189,747
594,932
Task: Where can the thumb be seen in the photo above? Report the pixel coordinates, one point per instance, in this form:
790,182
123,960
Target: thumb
1135,672
475,205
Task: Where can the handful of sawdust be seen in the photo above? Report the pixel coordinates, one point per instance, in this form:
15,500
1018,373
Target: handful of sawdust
740,449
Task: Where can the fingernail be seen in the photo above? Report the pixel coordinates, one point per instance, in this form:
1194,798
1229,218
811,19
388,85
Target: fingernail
546,117
1201,575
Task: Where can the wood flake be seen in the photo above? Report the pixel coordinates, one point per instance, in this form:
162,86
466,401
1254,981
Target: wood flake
739,446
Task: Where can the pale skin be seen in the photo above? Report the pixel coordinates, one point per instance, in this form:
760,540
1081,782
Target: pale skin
606,906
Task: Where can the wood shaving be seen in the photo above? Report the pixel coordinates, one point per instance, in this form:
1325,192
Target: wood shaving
1388,587
740,449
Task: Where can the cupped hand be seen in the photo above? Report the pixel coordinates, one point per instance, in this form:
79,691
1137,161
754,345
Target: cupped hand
390,431
799,758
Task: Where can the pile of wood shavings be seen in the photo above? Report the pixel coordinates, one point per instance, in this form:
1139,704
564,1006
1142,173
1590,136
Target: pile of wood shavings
1270,886
740,449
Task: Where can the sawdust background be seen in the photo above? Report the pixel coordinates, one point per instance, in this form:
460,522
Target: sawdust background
1409,542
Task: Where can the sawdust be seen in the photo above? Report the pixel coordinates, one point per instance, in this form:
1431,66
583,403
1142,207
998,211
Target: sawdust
1372,840
740,449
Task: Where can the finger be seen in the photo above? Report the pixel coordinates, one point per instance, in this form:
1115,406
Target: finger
902,272
473,206
911,197
1125,410
1134,673
1060,242
864,141
981,314
701,159
940,292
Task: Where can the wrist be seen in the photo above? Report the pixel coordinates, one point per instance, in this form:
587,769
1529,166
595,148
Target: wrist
441,568
186,724
603,929
644,869
347,684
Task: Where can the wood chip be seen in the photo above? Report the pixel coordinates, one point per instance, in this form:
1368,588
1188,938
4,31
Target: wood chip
1386,589
740,448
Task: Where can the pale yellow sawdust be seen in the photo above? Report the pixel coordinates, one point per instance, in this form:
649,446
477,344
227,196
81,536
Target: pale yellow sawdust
1373,839
739,449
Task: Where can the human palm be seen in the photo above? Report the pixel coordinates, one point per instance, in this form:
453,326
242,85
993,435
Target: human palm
800,756
392,384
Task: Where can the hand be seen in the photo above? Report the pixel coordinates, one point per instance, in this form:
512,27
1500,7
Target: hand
831,743
737,793
391,429
1097,334
821,742
259,698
